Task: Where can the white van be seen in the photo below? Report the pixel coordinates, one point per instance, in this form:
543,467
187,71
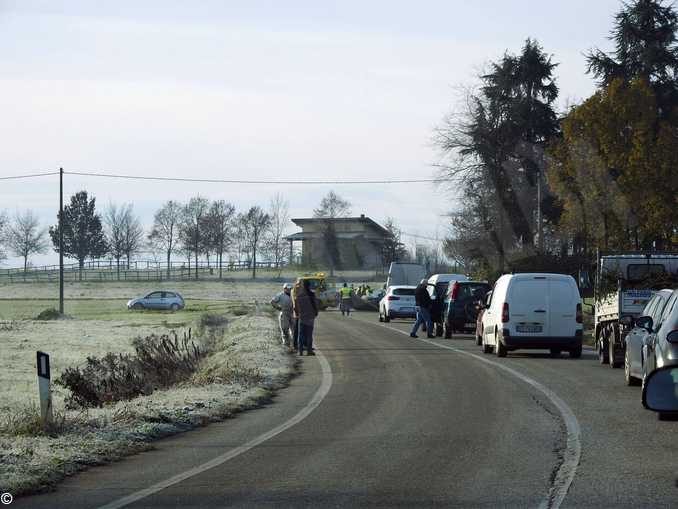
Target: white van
438,283
533,311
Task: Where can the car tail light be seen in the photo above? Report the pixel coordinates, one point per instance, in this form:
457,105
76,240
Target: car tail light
580,316
393,297
672,337
454,293
505,313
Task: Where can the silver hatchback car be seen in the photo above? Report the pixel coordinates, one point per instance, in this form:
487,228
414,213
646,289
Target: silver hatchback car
160,299
661,347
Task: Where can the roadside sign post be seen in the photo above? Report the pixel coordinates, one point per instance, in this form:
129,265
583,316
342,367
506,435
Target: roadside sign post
44,387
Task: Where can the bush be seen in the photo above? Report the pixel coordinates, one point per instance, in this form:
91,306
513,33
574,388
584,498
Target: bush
49,314
158,362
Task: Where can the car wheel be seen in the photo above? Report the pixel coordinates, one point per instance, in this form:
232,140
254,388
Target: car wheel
555,352
575,353
174,307
138,306
630,379
500,348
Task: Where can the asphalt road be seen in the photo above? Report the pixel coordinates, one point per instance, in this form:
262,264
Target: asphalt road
409,423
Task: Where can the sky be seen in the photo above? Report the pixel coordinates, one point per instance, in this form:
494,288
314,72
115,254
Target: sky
256,89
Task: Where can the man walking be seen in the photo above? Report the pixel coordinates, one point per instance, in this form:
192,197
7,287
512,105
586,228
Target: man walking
423,302
346,295
306,309
283,303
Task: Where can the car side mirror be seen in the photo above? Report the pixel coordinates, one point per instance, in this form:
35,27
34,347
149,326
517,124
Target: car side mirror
660,391
644,322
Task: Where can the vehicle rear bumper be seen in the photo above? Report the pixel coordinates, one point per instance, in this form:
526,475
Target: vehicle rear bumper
395,313
540,343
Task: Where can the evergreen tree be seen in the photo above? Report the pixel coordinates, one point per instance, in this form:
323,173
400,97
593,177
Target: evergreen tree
83,235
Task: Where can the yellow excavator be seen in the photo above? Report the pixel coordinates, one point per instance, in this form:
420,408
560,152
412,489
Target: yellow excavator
326,294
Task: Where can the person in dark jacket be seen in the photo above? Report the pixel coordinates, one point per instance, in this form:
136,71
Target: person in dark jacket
306,309
423,302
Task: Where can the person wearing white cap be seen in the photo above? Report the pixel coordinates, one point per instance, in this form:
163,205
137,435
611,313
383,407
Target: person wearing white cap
283,303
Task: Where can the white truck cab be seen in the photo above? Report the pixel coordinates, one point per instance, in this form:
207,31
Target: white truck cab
533,311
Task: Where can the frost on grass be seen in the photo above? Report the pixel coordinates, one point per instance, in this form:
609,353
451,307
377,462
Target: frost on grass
247,363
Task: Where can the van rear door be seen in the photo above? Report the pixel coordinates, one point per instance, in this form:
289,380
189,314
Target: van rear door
563,300
528,307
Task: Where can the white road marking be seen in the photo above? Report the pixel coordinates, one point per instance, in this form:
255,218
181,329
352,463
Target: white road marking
568,468
319,395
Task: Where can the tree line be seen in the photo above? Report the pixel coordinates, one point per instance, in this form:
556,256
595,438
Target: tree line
197,229
536,184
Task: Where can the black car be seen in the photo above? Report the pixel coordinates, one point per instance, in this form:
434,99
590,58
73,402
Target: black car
461,303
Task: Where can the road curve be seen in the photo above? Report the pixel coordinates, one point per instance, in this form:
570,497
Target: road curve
404,423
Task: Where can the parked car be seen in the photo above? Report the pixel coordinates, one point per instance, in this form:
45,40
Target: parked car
661,347
160,299
534,311
398,303
437,289
640,334
461,305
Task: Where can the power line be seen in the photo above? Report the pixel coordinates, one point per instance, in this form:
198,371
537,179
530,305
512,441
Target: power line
253,181
31,175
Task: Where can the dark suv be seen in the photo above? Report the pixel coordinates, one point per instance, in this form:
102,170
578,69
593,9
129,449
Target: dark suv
460,305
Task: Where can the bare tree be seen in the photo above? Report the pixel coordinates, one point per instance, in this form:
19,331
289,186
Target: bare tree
255,224
113,231
190,230
165,228
3,227
25,237
132,233
218,228
279,210
331,207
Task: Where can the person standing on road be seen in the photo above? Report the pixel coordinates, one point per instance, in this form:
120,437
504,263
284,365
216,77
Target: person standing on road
423,302
346,295
306,309
283,303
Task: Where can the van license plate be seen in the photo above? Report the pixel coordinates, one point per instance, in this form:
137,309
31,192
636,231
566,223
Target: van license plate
528,328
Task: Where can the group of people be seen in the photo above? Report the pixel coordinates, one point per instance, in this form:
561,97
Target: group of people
424,305
298,310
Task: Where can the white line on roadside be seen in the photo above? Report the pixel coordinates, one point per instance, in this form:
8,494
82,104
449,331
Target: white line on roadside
568,468
319,395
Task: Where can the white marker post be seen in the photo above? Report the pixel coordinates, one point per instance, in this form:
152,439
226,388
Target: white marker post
44,388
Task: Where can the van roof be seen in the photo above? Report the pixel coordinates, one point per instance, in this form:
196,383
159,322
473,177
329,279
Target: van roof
446,278
539,275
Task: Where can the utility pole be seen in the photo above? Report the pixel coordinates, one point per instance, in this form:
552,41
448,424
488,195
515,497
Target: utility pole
539,228
61,241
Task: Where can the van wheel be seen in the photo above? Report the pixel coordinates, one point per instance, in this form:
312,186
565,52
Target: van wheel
612,355
630,380
575,353
500,348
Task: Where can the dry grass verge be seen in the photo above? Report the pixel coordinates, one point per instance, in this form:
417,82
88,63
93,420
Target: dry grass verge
246,366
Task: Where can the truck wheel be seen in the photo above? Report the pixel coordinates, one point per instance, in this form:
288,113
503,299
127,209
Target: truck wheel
601,344
613,354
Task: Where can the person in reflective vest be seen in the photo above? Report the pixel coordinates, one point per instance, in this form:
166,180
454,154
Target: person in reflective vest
346,295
